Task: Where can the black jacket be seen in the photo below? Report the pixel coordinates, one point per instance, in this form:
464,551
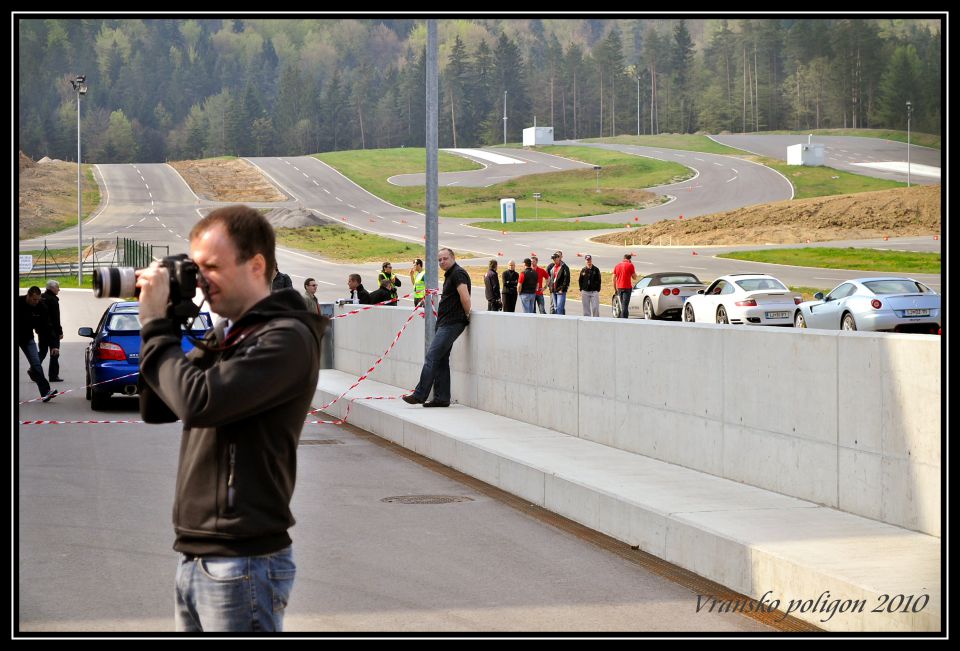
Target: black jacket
491,285
590,279
363,295
30,318
562,283
281,281
380,295
53,307
510,280
243,405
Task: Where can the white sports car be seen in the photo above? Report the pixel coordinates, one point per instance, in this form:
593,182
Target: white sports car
660,295
755,299
891,304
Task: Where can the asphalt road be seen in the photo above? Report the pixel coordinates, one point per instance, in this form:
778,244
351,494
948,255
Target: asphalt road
94,540
849,153
152,203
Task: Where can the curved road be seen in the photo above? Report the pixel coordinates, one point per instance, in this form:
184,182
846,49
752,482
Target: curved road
152,203
883,159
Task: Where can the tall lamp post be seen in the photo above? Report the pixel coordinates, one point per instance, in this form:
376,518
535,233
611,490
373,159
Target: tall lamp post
80,86
909,113
504,117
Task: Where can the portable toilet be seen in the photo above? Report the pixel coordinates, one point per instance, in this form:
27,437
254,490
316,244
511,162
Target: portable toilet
508,211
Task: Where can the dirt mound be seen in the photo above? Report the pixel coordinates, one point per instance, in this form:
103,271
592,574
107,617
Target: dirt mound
295,218
25,162
227,180
899,212
47,199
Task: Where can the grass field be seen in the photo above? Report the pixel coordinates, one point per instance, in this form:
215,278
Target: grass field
566,194
66,282
535,225
347,245
821,181
849,258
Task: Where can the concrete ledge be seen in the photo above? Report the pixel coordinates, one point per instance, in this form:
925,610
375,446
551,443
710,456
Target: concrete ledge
751,540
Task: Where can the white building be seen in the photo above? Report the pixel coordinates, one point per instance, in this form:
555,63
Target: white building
537,136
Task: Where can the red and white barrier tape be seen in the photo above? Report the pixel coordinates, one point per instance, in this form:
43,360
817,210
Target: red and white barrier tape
313,411
65,391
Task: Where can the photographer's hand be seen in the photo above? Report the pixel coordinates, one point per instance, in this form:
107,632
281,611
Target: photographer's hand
154,284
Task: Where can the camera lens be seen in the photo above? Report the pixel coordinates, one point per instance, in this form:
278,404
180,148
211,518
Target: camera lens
115,282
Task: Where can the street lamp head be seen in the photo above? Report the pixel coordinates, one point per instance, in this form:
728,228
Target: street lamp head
79,84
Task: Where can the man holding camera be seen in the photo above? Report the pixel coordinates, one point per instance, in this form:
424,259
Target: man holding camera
243,396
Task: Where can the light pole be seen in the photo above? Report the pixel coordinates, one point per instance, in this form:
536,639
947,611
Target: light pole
909,113
504,117
598,168
80,86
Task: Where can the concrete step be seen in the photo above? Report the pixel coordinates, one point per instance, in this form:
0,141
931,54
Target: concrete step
824,566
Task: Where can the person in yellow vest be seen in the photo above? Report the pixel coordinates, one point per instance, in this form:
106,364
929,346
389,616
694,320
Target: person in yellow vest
387,274
417,277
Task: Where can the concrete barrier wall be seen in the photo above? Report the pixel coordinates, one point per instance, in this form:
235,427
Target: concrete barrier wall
847,420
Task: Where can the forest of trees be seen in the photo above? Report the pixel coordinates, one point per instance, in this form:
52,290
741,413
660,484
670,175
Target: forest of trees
163,89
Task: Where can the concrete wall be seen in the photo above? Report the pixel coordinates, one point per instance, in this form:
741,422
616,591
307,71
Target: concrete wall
847,420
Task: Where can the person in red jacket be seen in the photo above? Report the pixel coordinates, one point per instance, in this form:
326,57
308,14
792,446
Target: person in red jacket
542,275
624,275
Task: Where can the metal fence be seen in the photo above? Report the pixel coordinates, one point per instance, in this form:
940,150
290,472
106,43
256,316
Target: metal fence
124,253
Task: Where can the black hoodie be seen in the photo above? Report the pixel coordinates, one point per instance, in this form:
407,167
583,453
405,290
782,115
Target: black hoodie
243,405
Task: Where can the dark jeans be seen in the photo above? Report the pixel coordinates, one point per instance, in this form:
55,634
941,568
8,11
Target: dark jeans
54,361
436,365
509,302
36,370
624,295
494,306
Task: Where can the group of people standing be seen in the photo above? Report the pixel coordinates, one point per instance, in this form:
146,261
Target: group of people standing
528,285
387,284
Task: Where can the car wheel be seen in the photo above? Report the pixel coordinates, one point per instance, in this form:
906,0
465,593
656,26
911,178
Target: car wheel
722,315
648,309
688,314
616,306
848,323
99,400
798,320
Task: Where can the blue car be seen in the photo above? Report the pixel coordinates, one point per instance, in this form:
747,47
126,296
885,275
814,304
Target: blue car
112,359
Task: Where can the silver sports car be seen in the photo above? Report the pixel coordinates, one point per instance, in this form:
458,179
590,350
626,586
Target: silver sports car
877,304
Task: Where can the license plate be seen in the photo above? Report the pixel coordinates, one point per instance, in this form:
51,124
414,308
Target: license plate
778,315
916,312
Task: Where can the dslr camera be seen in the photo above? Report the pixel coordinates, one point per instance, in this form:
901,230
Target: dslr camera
117,282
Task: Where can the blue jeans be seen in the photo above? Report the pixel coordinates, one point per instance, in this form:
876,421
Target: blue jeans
436,365
560,303
230,594
540,304
36,370
527,300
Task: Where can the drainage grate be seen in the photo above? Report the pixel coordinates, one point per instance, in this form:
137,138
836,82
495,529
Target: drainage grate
321,442
425,499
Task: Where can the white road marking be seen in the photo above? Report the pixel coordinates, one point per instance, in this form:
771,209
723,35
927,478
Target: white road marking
339,199
326,190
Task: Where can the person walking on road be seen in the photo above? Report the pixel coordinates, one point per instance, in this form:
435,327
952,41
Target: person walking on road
590,288
510,280
528,287
31,316
624,275
559,283
491,284
243,398
52,301
453,316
